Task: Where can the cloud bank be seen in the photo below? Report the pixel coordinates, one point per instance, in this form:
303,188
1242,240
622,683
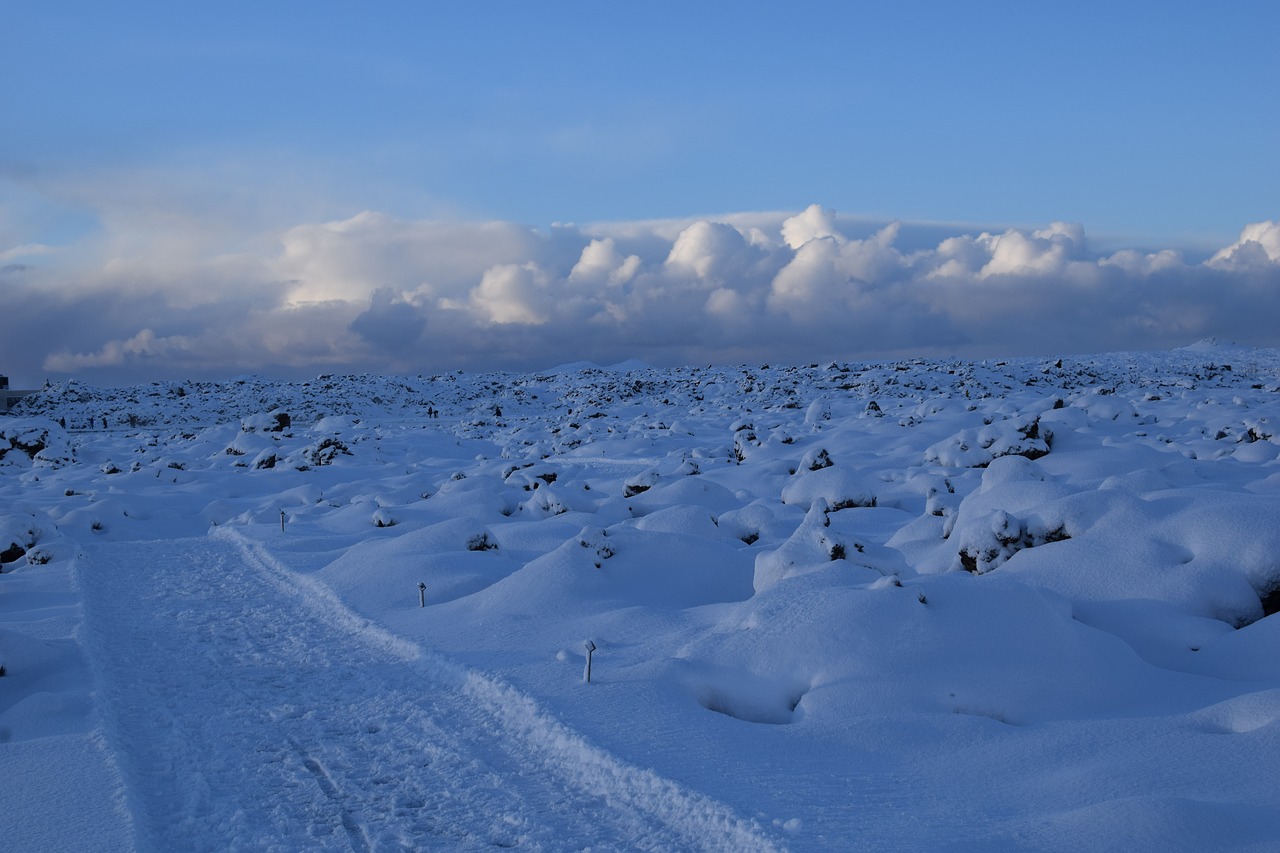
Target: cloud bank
375,293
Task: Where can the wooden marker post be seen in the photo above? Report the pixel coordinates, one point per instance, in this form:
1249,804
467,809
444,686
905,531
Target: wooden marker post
591,647
422,594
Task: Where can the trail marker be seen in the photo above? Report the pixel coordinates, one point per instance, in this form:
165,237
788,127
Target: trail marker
282,521
422,594
591,647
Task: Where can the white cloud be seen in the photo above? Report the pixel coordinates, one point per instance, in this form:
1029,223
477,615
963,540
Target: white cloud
711,252
144,345
810,224
373,292
812,282
1042,252
511,294
726,304
349,259
26,250
1137,263
829,273
601,262
1257,246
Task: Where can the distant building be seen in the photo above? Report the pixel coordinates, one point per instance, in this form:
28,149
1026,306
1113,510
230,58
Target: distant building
9,396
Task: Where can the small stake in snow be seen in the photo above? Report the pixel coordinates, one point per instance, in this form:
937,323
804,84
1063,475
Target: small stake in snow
422,594
591,647
282,521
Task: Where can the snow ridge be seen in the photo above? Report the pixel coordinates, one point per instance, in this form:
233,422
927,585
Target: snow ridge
700,821
703,821
321,599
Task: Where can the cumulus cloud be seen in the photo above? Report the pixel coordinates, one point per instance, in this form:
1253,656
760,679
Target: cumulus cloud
141,347
350,259
512,294
391,322
373,292
1257,247
1042,252
711,252
812,223
601,262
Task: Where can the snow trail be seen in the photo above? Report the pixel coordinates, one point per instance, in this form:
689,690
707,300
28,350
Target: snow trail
250,709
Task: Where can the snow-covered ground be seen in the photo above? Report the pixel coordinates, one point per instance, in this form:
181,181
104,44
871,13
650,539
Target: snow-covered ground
917,605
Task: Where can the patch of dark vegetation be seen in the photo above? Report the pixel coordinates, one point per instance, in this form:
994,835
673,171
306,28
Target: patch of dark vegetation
326,451
603,550
853,503
1005,542
821,459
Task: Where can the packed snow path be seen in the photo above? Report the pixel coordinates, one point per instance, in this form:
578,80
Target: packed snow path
250,710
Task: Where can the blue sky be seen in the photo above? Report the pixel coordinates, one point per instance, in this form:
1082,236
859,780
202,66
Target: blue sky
172,135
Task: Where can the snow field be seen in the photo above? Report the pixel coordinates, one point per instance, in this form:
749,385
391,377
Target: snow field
1019,605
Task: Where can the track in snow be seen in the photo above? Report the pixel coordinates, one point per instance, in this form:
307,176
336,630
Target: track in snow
249,709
